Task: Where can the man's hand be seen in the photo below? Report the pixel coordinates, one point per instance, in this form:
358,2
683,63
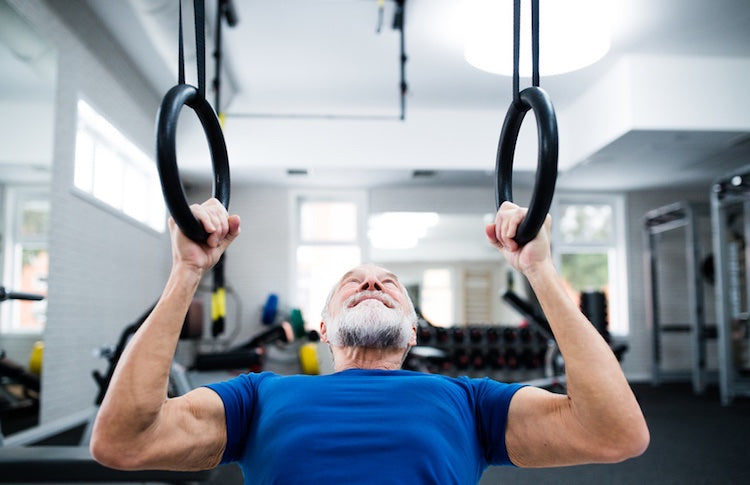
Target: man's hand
503,230
222,229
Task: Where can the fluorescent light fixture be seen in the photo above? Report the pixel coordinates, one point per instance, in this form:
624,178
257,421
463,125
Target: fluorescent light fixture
573,34
400,230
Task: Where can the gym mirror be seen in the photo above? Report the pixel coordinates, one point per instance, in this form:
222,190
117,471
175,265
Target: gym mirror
28,63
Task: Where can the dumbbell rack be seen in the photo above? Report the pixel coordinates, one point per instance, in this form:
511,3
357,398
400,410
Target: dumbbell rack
504,353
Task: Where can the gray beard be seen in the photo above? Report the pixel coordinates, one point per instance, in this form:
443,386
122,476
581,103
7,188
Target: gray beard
370,324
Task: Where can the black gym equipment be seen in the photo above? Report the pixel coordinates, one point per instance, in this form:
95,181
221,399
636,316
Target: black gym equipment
13,374
662,226
17,295
184,94
730,219
536,99
166,131
69,464
506,353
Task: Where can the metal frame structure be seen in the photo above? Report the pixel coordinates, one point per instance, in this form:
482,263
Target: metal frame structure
656,222
730,197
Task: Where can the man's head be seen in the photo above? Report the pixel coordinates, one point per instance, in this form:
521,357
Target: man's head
369,308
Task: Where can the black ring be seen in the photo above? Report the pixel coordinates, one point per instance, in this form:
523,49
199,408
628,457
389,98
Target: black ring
166,130
537,100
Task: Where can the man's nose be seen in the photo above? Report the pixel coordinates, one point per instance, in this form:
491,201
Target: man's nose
370,284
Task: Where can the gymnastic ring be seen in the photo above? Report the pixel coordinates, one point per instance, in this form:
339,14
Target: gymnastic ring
536,99
166,129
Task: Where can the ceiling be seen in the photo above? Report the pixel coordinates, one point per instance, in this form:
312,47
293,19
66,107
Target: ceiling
309,86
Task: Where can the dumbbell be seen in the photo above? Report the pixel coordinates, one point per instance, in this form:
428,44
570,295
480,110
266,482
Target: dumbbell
511,359
492,335
458,335
425,335
475,335
526,334
496,359
442,335
478,360
461,359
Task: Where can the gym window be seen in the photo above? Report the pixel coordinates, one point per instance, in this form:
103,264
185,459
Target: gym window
329,241
436,297
26,258
110,168
590,234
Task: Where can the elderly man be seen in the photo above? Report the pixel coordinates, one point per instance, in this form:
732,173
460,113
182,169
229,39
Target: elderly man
369,422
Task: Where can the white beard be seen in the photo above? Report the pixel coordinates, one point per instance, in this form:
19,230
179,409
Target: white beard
370,324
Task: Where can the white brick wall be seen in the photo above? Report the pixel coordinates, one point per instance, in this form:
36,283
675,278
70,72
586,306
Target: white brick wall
104,269
257,263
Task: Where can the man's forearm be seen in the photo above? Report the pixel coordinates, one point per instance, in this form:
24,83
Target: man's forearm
139,385
599,393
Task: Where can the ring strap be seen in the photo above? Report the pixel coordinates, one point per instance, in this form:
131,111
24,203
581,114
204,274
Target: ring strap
535,99
517,45
200,46
535,43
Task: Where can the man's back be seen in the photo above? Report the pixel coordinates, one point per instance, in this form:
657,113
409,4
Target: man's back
364,426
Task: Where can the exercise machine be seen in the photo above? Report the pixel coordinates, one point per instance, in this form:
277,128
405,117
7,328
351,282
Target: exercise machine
19,388
730,217
657,223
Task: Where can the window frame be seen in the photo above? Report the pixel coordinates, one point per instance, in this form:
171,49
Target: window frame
143,163
299,196
618,269
14,199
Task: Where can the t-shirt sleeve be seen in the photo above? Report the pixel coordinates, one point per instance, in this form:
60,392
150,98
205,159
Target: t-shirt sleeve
238,395
492,403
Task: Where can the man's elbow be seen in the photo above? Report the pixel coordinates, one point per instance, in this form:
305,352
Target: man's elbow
110,453
638,443
630,444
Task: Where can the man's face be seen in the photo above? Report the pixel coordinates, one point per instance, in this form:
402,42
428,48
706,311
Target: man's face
369,308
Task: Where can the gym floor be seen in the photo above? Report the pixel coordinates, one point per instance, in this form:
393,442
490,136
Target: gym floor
694,440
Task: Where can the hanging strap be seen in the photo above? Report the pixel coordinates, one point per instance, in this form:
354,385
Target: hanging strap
535,99
535,42
200,46
517,45
180,51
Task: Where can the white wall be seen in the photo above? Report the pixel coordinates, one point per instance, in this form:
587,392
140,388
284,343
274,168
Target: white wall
104,269
257,262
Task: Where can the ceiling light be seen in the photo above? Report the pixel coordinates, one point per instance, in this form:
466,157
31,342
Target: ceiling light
572,35
400,230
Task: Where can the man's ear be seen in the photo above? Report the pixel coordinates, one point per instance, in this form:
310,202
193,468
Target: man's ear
323,333
413,338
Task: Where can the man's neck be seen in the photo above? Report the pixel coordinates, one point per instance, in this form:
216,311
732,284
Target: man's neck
367,358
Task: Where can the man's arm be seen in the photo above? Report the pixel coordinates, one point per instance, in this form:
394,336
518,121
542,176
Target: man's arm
599,420
137,427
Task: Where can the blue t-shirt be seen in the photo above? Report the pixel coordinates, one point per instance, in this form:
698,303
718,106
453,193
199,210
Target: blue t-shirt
364,426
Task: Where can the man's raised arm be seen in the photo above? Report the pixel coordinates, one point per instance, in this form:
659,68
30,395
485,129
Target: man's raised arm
599,420
137,427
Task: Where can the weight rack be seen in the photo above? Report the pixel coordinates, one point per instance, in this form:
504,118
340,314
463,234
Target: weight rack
730,198
505,353
680,215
